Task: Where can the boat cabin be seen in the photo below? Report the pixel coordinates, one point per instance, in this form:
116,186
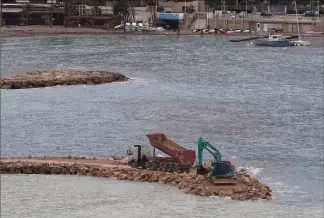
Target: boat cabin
276,37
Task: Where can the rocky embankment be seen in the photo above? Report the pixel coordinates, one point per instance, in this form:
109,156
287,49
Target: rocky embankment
247,188
59,77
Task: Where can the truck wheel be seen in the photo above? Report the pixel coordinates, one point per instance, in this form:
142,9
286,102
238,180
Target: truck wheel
175,169
133,164
147,165
170,168
183,170
163,167
155,166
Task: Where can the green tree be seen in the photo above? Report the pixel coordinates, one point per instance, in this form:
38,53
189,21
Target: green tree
97,10
190,9
160,9
25,14
51,9
102,2
151,2
121,7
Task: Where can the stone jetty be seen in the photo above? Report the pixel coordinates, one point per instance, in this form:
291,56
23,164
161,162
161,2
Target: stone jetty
247,188
59,77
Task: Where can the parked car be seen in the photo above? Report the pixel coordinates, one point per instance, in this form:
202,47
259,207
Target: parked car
310,14
265,14
163,25
242,14
277,30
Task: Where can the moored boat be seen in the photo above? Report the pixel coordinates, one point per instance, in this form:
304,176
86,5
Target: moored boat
274,41
301,43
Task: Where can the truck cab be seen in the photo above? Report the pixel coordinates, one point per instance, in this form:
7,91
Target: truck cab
138,155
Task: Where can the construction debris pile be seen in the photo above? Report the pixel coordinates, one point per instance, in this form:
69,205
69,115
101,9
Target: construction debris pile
247,188
59,77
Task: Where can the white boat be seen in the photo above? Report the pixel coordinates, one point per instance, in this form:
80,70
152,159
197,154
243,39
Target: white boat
146,27
128,27
140,27
160,29
133,27
120,26
299,42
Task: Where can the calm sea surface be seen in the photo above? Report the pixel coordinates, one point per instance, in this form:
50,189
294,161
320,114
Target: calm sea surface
252,103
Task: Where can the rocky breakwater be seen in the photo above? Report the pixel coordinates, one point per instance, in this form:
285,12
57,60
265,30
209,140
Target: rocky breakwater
247,188
59,77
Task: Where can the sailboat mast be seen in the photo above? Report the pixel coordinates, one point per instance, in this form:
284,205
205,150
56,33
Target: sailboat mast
297,20
198,15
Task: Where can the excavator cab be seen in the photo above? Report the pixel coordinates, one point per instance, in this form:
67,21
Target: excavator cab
223,169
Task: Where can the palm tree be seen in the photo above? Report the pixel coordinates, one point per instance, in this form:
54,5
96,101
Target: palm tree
121,7
25,14
1,13
51,9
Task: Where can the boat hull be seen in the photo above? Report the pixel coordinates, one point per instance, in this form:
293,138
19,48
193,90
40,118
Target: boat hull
282,43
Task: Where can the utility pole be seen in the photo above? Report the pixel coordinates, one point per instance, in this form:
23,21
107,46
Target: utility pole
66,2
318,10
155,12
246,13
1,13
207,17
124,15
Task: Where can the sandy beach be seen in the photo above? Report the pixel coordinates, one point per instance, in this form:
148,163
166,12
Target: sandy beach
26,31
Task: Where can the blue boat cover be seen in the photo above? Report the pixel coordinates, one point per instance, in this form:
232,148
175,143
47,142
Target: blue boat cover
169,16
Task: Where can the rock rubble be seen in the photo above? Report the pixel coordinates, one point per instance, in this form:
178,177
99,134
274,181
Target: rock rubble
247,188
59,77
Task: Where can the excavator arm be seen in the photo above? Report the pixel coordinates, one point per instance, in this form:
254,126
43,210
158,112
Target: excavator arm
210,148
217,163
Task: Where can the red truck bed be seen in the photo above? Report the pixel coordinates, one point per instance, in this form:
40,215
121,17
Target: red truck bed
184,156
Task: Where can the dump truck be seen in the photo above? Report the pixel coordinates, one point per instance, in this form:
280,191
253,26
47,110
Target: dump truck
180,159
144,156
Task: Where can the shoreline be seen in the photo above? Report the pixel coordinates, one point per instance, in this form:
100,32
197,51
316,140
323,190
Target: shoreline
246,187
30,31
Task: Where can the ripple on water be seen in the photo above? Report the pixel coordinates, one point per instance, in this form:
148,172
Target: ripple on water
253,103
